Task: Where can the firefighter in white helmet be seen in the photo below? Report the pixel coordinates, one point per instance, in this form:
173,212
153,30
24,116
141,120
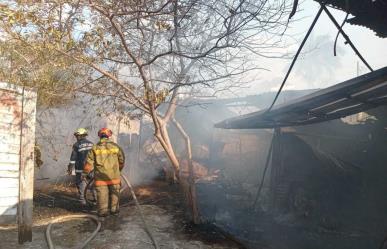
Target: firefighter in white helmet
78,157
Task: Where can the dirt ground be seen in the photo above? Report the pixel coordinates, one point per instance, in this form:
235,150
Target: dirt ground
163,209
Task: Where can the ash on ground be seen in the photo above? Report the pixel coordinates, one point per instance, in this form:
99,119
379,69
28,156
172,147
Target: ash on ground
163,209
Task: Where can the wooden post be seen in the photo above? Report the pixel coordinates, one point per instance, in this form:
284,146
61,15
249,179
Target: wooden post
26,170
191,174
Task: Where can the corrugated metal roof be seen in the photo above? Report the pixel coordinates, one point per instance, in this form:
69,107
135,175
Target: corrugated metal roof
368,13
344,99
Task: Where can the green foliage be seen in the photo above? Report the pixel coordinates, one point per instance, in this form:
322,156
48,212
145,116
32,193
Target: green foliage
53,77
132,49
50,46
156,97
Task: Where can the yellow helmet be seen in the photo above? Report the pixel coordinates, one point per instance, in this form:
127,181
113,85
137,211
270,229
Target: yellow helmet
80,132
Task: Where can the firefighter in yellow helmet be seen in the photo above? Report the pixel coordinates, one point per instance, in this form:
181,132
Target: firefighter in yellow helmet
107,159
78,157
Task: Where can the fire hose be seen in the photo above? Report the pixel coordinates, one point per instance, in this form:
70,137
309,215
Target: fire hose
95,219
146,228
71,217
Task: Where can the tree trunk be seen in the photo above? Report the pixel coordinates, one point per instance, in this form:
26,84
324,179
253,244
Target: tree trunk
191,175
163,138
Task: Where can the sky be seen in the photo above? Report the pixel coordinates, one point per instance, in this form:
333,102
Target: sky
318,67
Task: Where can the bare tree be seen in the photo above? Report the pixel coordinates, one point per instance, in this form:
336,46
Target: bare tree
146,53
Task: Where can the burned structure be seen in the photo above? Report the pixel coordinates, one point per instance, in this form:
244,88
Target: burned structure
370,14
312,175
319,184
308,172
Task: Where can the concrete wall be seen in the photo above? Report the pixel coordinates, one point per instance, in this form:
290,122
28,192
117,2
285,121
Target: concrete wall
17,128
56,126
10,111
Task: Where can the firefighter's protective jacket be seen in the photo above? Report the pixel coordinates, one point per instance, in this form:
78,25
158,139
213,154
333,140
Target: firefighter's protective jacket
79,154
107,159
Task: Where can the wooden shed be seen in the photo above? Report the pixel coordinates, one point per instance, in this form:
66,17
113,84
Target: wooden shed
17,141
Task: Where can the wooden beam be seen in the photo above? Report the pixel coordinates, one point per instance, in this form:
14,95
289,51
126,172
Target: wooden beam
26,177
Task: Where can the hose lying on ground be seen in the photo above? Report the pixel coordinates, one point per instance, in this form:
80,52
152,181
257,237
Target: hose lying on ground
71,217
146,228
95,218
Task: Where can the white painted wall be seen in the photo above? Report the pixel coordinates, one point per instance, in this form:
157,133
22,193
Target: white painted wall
55,128
10,111
12,119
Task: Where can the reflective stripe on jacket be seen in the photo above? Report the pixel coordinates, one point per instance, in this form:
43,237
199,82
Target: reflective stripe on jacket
78,156
107,159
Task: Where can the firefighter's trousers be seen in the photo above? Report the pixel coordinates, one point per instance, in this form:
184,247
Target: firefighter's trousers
108,199
81,185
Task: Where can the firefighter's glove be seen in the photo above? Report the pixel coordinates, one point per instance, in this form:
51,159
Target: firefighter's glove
70,168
